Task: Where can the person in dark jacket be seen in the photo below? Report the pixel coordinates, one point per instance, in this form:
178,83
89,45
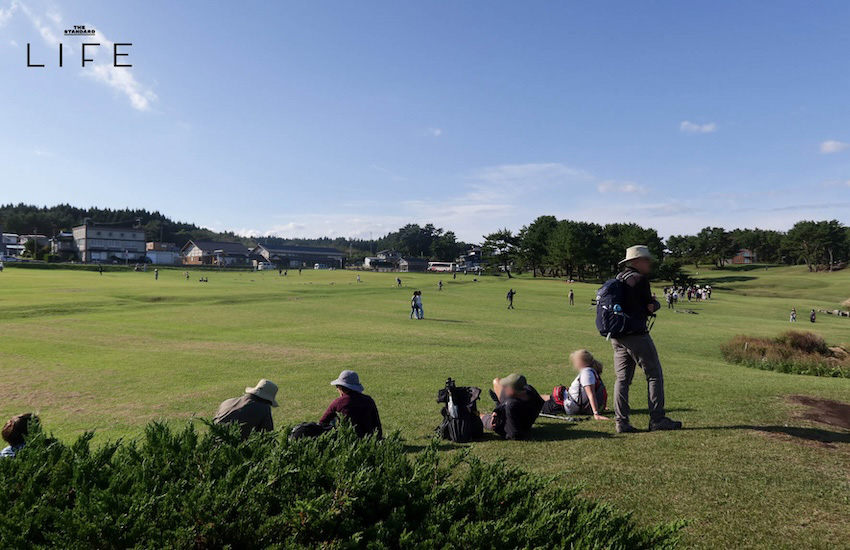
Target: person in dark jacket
637,348
353,404
518,407
253,411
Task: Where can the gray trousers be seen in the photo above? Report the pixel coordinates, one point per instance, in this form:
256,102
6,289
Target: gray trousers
631,351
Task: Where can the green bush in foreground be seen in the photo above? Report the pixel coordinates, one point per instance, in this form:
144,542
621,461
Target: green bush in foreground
182,489
793,352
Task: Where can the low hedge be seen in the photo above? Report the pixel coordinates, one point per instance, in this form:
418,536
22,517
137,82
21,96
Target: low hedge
183,489
794,352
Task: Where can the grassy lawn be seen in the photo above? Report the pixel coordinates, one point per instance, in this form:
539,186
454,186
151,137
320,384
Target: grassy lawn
111,352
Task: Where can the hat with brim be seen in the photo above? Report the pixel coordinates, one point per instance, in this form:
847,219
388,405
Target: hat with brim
637,252
348,379
265,389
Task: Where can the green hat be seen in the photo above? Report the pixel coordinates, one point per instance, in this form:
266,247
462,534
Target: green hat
515,381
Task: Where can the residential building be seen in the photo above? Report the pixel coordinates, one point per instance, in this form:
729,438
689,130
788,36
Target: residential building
162,253
106,243
470,260
406,265
744,256
63,246
389,255
293,256
211,253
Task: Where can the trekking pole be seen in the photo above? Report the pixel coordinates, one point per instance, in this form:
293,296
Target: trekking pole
569,419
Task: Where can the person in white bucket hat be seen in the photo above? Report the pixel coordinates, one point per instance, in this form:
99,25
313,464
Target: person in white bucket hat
353,404
636,347
253,411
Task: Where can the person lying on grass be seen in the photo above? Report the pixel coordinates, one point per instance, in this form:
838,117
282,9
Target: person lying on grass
518,407
13,433
253,411
353,404
586,395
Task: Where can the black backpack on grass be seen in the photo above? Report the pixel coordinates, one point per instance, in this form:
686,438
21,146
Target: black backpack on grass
461,422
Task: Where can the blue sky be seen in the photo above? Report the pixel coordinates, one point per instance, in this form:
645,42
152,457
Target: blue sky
349,118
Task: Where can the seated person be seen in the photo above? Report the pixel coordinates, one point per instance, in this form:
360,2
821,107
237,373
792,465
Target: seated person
353,404
253,411
518,406
13,433
586,395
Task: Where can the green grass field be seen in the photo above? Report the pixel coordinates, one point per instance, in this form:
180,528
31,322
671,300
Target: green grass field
113,352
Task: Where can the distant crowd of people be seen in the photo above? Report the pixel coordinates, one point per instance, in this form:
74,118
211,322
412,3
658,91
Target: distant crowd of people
697,293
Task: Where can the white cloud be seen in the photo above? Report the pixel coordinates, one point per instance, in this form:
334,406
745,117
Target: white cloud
833,146
612,186
435,132
119,79
6,14
693,128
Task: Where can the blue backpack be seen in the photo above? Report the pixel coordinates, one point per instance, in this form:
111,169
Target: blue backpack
611,320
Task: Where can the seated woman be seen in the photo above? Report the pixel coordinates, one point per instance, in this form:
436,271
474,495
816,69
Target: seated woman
587,393
518,407
13,433
353,404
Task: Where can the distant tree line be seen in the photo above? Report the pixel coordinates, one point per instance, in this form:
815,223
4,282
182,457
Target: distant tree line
820,245
545,247
573,249
582,250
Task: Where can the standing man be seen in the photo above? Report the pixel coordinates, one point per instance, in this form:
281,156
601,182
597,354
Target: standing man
398,281
156,274
636,348
439,286
572,298
510,298
100,268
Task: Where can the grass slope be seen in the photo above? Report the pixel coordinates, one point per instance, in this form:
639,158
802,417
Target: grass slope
111,352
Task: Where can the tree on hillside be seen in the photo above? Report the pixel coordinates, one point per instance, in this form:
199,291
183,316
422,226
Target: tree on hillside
501,248
817,243
445,246
534,241
620,236
684,248
716,245
766,244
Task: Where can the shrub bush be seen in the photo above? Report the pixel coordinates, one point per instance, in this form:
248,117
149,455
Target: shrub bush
182,489
793,352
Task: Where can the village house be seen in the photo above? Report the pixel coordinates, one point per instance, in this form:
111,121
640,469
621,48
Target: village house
293,256
211,253
105,243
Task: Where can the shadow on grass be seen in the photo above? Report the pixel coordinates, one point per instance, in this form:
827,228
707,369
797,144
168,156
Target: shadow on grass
562,431
443,320
646,411
727,279
808,434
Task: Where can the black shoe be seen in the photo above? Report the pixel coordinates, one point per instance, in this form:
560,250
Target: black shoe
626,428
664,424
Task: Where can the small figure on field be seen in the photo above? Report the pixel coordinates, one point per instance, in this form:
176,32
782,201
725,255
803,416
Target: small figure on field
793,315
813,316
510,298
353,404
100,269
440,285
13,433
253,411
398,281
635,347
156,274
587,393
416,310
358,279
518,406
572,297
669,298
